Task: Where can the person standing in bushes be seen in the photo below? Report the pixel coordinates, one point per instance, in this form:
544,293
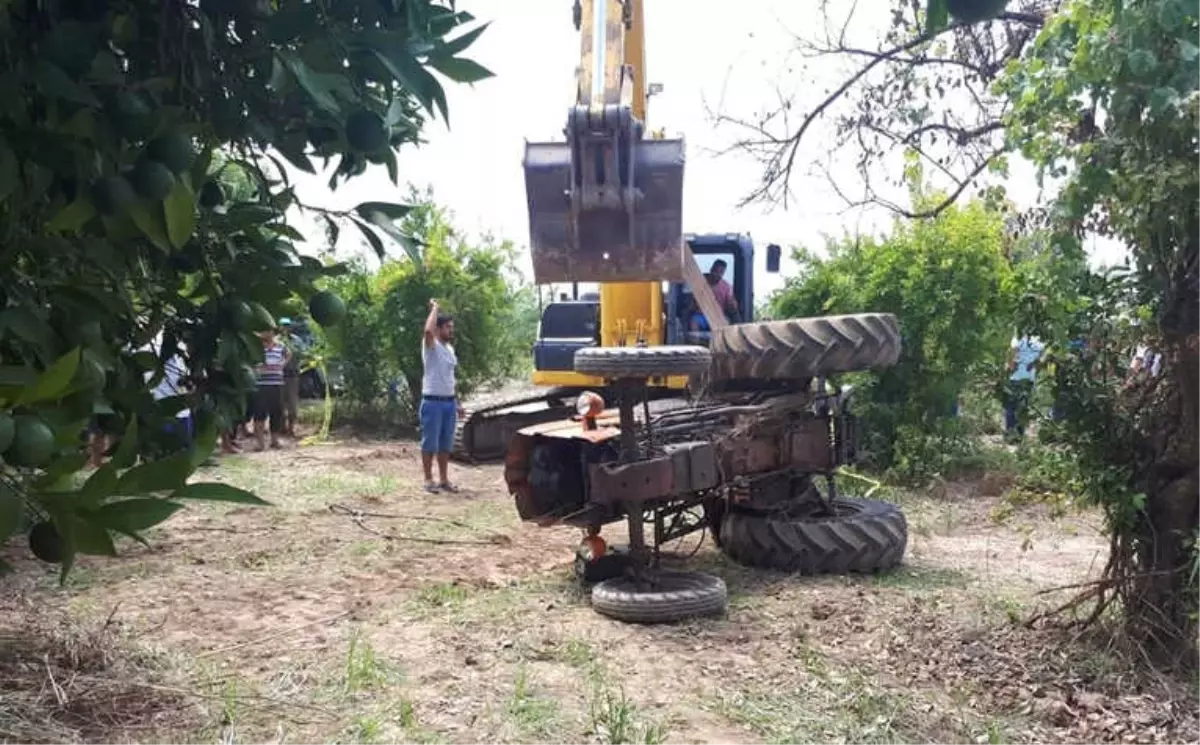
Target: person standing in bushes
267,403
1023,357
440,408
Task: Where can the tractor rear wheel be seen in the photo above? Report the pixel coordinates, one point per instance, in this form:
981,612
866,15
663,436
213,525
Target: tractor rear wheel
660,597
862,535
803,348
642,362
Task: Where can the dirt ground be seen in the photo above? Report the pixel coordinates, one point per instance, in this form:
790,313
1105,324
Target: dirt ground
442,618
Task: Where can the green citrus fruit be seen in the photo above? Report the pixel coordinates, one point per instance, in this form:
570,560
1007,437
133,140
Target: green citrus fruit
133,115
33,444
211,195
46,543
326,308
152,180
8,431
241,316
113,195
262,319
173,150
974,11
365,132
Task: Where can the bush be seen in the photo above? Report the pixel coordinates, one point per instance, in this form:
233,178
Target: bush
379,343
948,282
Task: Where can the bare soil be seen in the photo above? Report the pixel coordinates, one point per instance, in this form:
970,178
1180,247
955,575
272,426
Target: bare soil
360,609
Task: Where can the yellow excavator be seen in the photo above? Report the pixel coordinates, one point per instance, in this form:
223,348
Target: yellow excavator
606,206
741,455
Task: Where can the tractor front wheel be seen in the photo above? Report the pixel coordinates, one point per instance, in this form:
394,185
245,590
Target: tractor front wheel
660,597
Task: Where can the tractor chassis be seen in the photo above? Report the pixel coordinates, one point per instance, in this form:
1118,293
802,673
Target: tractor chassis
680,471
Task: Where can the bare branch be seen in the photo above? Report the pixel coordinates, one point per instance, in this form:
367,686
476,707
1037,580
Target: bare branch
927,93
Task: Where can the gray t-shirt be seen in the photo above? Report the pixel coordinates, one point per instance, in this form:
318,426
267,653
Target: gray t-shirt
440,363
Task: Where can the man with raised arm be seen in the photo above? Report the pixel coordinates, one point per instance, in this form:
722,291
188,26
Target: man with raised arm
439,406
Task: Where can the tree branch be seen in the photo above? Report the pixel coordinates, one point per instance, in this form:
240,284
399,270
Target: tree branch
893,109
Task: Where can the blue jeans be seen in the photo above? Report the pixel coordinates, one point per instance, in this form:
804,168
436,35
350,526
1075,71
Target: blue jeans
439,417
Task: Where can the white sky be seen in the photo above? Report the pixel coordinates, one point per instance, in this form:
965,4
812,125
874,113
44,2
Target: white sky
731,55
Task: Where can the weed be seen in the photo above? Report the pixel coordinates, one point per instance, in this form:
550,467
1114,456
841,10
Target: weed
364,670
367,730
534,715
577,653
614,718
442,595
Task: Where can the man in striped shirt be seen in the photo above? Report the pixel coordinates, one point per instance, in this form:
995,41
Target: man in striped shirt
267,402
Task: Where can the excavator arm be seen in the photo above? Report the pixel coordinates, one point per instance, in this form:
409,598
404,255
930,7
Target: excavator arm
606,205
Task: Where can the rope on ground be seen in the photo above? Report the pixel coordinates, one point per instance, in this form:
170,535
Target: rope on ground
359,517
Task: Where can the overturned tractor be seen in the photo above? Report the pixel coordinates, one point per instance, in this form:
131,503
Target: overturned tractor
750,457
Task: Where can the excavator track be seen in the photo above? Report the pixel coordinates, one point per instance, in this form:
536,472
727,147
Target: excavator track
483,433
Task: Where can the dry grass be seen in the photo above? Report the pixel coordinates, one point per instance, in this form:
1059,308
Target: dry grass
303,624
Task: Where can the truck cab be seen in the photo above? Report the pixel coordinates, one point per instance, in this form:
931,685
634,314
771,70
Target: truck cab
570,325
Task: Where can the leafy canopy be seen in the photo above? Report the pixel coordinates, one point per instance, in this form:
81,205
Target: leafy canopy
949,284
143,188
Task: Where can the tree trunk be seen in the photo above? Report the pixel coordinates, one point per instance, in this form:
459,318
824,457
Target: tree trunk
1163,604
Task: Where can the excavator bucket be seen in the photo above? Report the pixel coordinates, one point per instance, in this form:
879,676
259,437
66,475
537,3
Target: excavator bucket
605,206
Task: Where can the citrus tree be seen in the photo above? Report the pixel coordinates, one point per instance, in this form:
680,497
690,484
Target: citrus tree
949,284
1108,101
144,153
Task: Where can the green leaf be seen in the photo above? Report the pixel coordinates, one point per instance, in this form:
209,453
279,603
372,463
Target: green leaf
461,70
180,211
407,242
294,152
132,515
419,81
55,83
9,173
205,443
149,219
332,231
164,474
1142,62
11,509
55,381
459,44
376,244
937,16
100,484
389,209
27,326
92,539
72,217
287,231
217,492
1188,52
319,86
58,476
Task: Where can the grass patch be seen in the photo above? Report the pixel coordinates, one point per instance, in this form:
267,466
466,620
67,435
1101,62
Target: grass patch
533,715
364,669
921,578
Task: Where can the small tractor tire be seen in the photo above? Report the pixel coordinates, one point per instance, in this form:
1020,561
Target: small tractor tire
864,535
804,348
642,362
660,597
